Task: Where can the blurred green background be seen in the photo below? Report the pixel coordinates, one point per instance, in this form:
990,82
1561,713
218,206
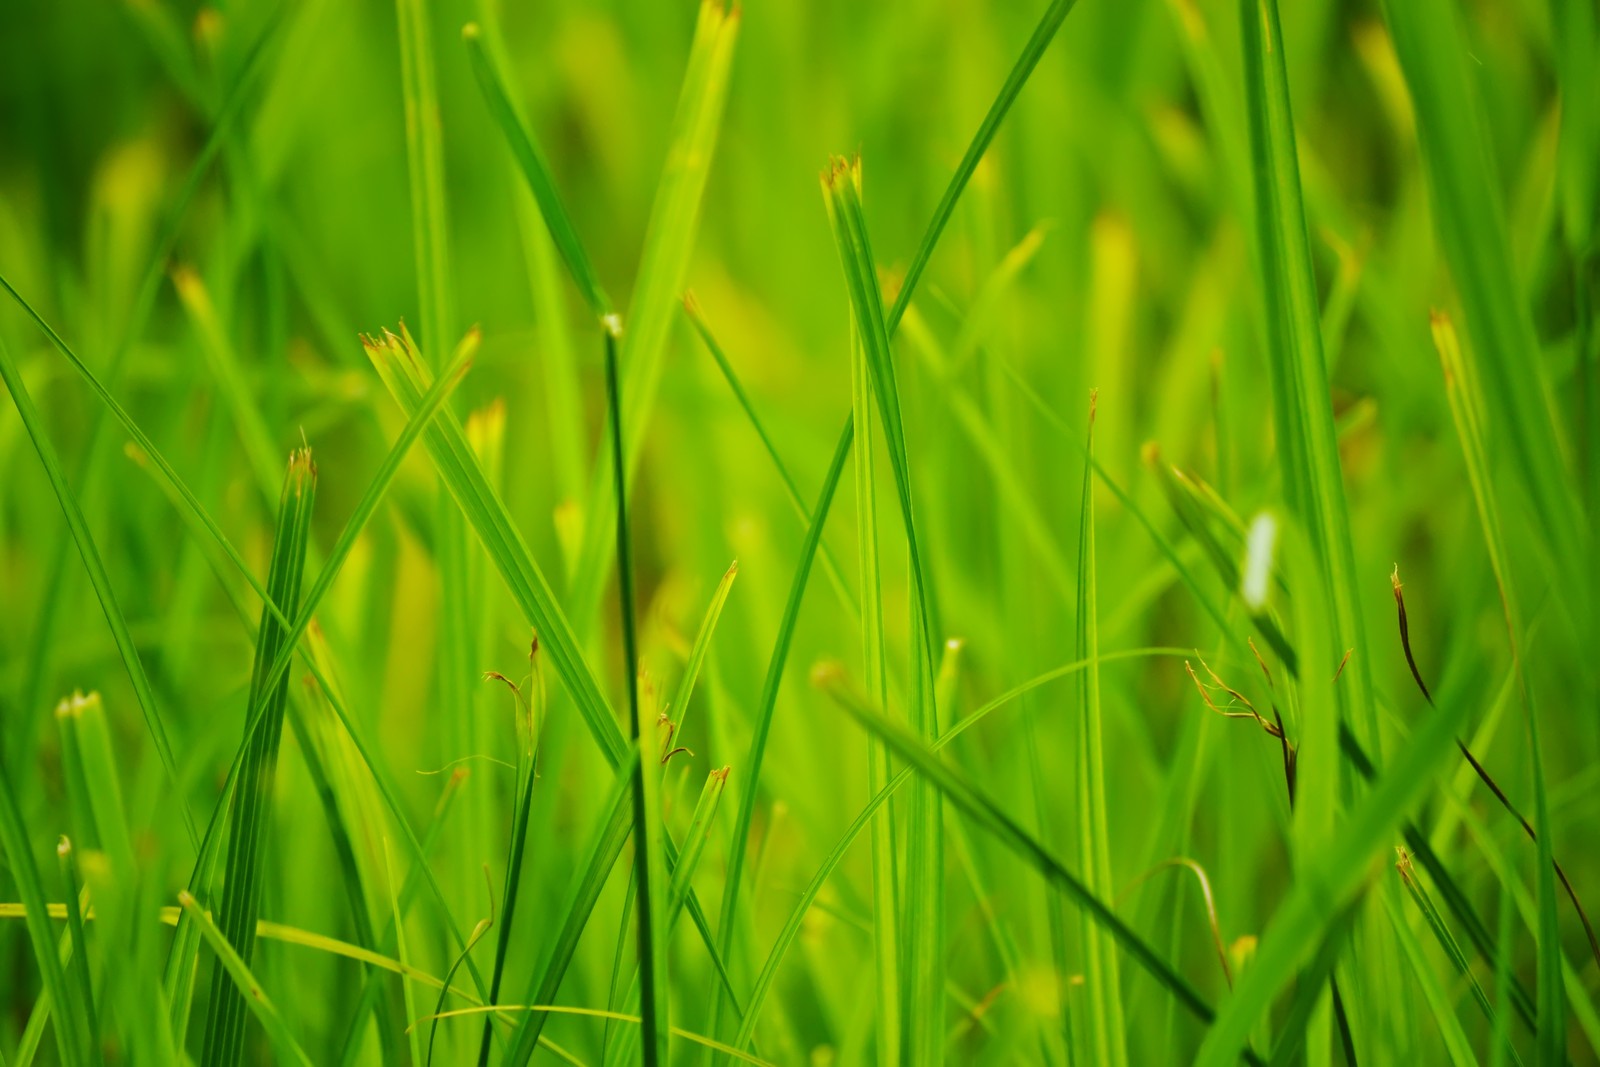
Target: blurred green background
1104,243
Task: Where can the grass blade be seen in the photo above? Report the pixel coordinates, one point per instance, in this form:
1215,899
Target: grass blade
251,807
1106,1027
245,986
648,865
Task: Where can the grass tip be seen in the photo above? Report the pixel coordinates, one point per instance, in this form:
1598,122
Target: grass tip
1150,453
64,846
471,32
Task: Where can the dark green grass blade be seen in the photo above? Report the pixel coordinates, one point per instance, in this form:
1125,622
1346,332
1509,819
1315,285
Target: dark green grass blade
251,807
82,982
648,864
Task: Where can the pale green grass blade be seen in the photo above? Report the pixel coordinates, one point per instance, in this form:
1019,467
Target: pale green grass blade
425,169
93,564
245,984
1105,1027
1467,408
885,892
663,266
402,955
1470,222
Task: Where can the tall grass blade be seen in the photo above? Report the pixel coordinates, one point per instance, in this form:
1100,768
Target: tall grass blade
251,808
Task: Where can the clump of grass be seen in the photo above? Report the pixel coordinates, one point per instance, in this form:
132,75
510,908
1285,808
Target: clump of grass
1226,223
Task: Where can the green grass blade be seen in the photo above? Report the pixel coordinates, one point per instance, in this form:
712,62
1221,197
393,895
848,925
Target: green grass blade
251,807
663,266
245,985
649,865
885,895
1032,51
1307,443
1105,1029
702,645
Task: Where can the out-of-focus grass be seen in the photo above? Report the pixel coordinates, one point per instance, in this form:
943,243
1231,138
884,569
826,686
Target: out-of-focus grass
1236,223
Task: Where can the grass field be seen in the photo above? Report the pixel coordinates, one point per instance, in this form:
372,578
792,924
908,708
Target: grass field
820,533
